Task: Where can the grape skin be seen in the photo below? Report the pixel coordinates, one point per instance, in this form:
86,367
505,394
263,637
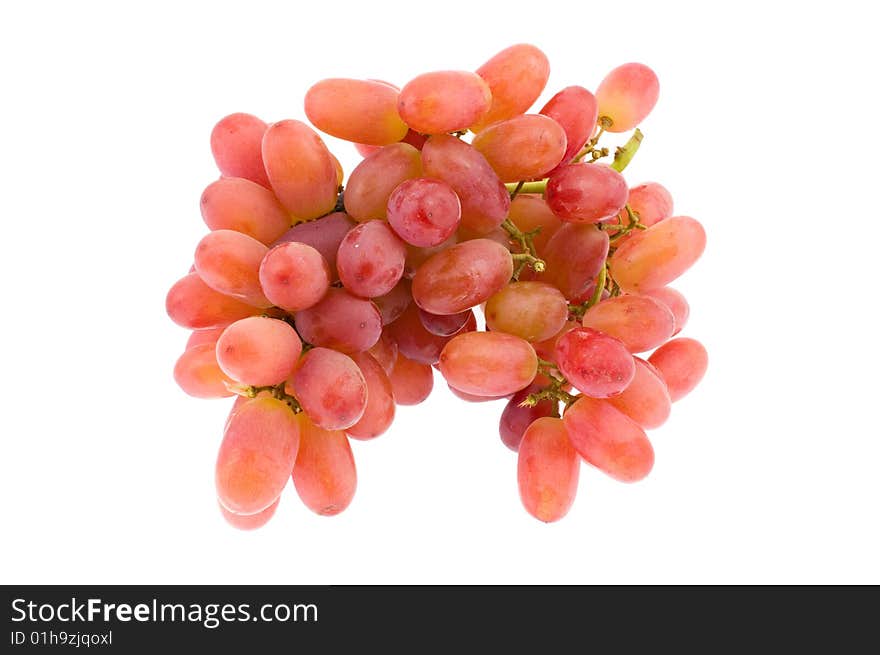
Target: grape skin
682,362
412,382
596,364
324,474
586,193
547,470
444,101
646,400
340,321
576,111
488,363
258,351
294,276
627,95
516,418
199,375
530,212
363,111
380,409
676,303
640,322
373,180
574,255
194,305
534,311
229,262
324,235
516,76
244,206
236,143
424,212
525,147
330,388
249,521
370,259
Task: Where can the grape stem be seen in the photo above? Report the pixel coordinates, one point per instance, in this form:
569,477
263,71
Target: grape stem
277,392
529,256
526,187
623,155
578,311
552,391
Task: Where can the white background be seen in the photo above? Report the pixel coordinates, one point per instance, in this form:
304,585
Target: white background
765,131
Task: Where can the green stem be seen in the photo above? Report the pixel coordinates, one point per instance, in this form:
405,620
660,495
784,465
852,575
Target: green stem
517,189
527,187
623,156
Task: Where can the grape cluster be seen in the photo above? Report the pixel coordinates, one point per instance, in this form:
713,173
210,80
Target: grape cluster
321,306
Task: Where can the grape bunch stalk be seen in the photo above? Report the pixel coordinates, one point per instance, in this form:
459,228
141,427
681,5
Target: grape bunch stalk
321,306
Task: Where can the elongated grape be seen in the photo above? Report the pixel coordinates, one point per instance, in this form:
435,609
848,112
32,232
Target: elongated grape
413,340
462,276
229,262
646,400
640,322
370,259
576,111
651,201
626,96
530,213
330,388
372,181
573,256
444,325
392,304
199,375
412,137
364,111
340,321
534,311
596,364
411,382
548,468
488,363
424,212
516,418
258,351
682,362
256,456
236,143
677,304
300,168
653,258
324,475
379,411
249,521
415,257
524,147
444,101
484,198
586,193
198,337
294,276
471,398
516,76
609,440
233,203
193,304
324,235
385,352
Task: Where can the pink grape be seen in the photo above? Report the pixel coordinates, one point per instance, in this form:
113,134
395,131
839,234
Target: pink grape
574,255
340,321
193,304
576,111
547,470
236,143
364,111
546,349
370,259
627,95
330,388
229,262
651,201
324,235
586,193
199,375
424,212
294,276
324,475
256,456
676,302
415,257
413,340
646,400
530,212
640,322
516,76
444,101
385,352
444,325
534,311
392,304
682,363
258,351
524,147
488,363
249,521
462,276
471,398
411,382
596,364
379,411
300,168
238,204
515,418
198,337
372,181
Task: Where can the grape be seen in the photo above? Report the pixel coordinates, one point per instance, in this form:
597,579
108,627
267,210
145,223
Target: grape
324,235
640,322
300,168
547,470
294,276
385,352
234,203
472,398
392,304
484,199
528,213
444,325
574,255
534,311
424,212
546,349
444,101
370,259
515,418
651,201
586,193
199,375
682,363
330,388
229,262
462,276
488,363
340,321
379,412
516,76
415,257
256,456
411,382
372,181
627,95
324,475
522,148
576,111
609,440
249,521
363,111
236,143
258,351
209,335
646,400
193,304
676,302
595,363
654,257
413,340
